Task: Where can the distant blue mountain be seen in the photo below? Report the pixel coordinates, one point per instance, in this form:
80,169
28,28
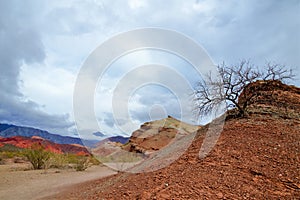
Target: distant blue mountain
7,130
5,126
120,139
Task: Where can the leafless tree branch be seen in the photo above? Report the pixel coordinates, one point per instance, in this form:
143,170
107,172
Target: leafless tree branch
212,91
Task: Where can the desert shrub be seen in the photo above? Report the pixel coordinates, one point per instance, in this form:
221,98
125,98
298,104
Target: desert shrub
71,158
59,161
10,148
64,161
94,161
82,163
10,151
7,154
37,156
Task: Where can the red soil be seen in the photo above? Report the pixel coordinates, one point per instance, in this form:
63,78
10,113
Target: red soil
257,157
25,142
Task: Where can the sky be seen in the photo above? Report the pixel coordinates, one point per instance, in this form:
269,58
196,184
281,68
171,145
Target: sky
44,44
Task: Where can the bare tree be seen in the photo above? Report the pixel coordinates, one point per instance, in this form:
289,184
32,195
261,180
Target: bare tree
232,80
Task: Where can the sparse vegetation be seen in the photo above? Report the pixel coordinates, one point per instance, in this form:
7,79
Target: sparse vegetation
82,163
37,156
10,151
59,161
42,159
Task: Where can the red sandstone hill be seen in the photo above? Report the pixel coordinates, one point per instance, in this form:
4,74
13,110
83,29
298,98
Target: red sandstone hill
256,157
26,142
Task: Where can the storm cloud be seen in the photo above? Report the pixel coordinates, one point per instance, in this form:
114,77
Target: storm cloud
21,43
44,43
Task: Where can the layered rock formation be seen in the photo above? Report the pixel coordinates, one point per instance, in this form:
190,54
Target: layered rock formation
272,98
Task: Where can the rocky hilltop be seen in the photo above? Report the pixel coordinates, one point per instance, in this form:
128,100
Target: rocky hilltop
272,98
255,157
153,136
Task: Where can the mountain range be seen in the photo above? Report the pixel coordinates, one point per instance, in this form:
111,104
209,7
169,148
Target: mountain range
8,130
28,142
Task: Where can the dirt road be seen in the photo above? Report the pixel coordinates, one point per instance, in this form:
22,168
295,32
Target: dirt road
16,183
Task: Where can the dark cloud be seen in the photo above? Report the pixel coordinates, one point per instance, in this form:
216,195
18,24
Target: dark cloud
12,110
259,30
98,134
21,42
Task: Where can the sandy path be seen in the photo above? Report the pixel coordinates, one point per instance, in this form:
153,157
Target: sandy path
36,184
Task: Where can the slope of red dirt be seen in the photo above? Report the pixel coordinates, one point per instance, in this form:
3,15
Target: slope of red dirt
257,157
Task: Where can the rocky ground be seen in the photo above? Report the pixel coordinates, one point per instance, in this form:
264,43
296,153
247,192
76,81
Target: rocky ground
255,158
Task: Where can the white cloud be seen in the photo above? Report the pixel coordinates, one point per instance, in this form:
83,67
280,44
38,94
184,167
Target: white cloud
48,86
142,98
136,4
53,39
